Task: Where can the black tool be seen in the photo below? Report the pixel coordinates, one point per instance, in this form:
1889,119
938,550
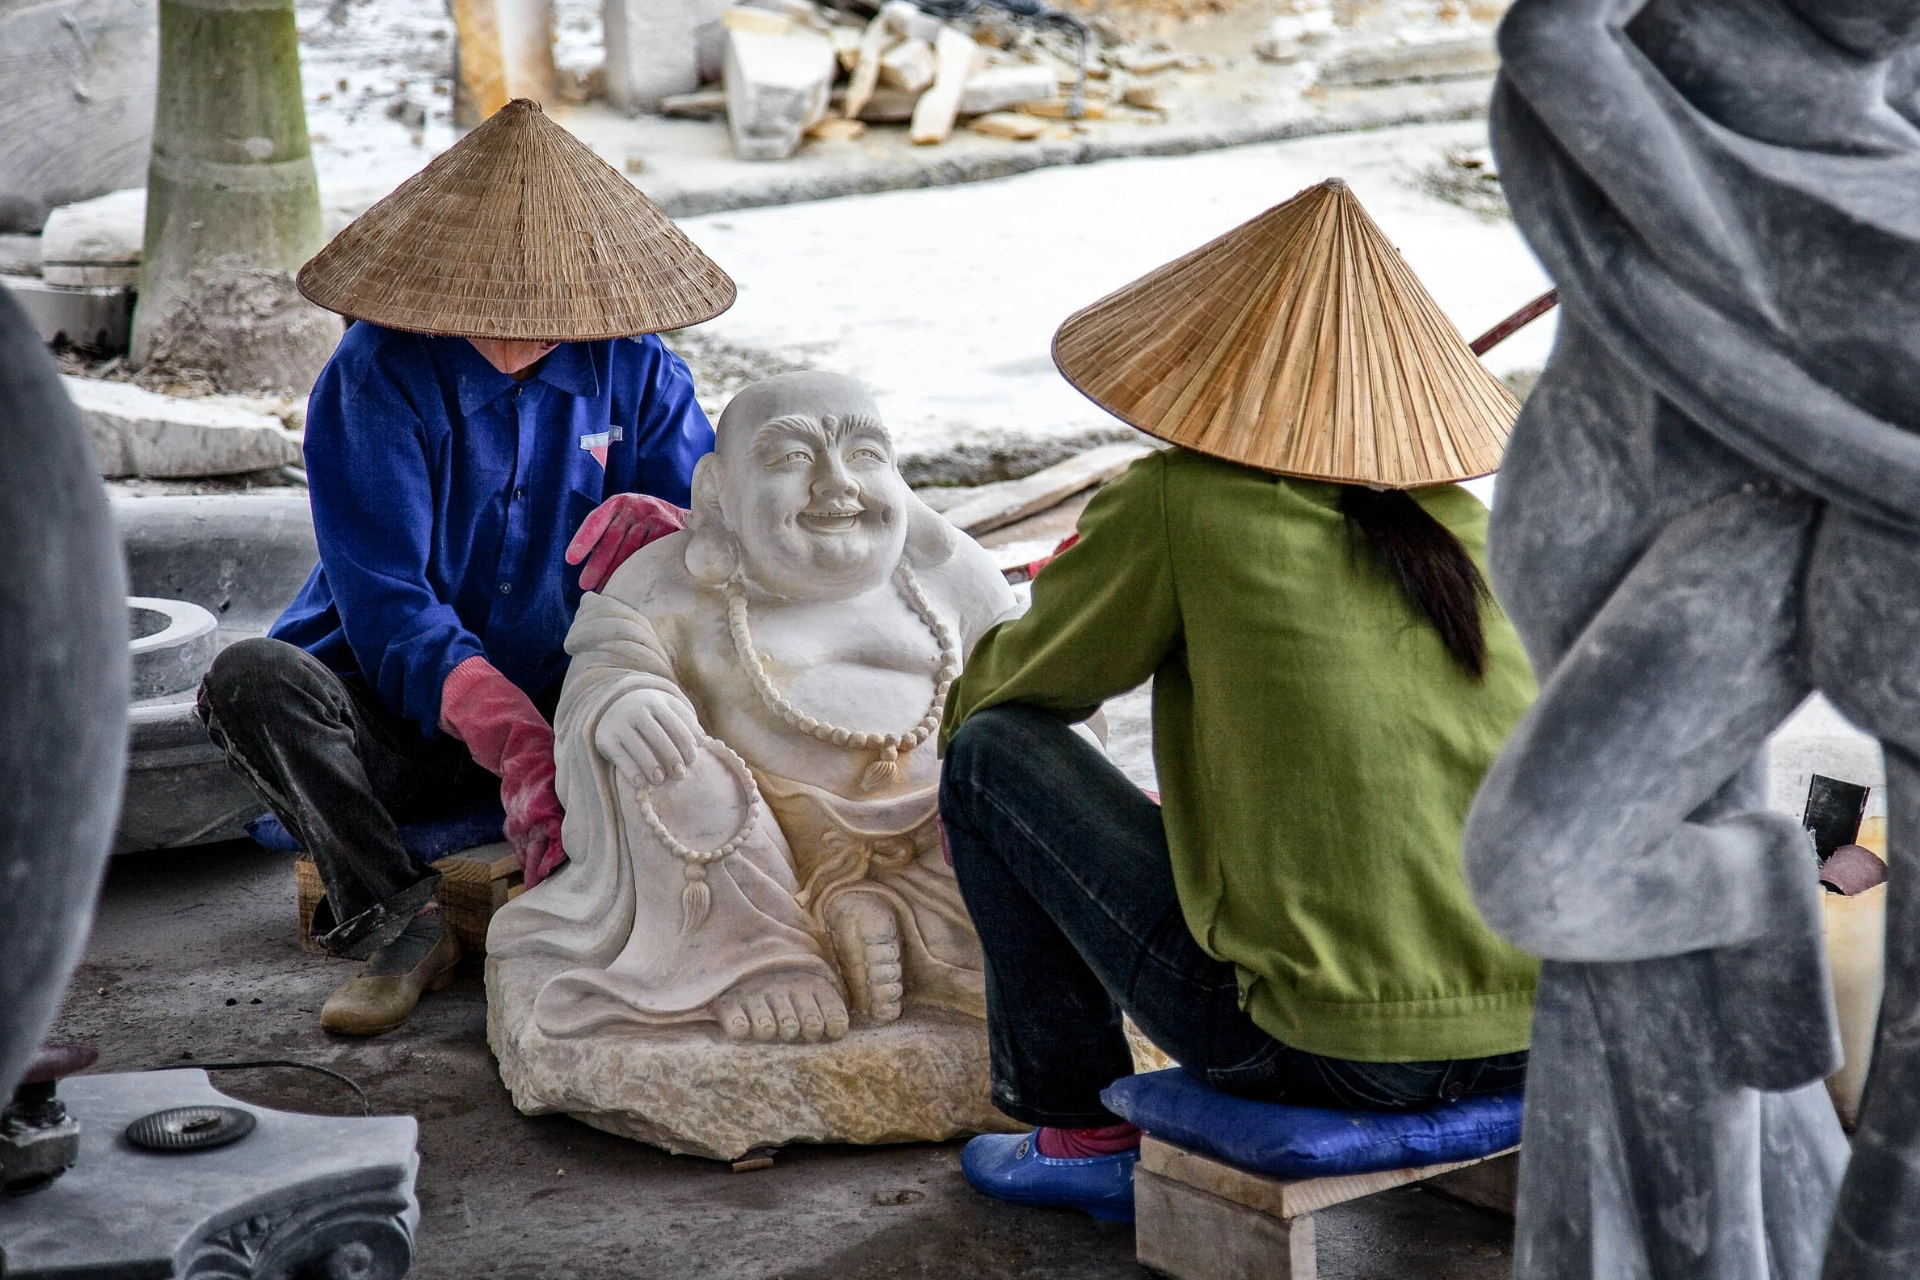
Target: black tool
1833,814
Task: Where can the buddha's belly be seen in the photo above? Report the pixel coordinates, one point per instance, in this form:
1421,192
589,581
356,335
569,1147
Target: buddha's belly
840,695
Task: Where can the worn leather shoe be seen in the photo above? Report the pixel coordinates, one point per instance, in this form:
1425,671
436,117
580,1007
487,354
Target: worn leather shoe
1009,1166
421,959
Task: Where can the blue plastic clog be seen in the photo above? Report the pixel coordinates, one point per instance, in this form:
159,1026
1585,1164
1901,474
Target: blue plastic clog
1009,1166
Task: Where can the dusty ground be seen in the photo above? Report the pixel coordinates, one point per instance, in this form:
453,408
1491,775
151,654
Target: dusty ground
193,960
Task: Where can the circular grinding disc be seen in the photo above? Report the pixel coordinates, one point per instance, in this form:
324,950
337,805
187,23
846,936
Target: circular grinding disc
190,1128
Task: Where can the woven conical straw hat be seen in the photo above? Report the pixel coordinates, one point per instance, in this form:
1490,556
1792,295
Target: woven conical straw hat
518,231
1299,343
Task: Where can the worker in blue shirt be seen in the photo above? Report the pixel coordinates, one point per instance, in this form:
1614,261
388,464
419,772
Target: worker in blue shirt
495,434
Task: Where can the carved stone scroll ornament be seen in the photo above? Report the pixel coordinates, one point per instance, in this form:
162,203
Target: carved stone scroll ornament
363,1236
1709,509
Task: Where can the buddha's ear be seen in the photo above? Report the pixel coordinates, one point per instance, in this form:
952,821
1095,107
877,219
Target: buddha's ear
931,540
712,554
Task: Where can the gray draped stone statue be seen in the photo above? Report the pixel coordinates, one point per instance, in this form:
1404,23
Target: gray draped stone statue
63,703
1710,508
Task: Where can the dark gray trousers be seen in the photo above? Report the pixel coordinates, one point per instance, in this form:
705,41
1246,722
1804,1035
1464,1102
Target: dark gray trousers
1064,866
339,768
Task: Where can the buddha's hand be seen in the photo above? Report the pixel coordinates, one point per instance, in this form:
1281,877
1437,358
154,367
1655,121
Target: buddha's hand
788,1004
649,734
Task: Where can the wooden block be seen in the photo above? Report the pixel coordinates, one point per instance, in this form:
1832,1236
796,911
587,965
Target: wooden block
1009,124
1492,1184
836,129
1190,1234
1144,62
1010,500
933,116
1056,109
762,21
1276,1197
307,880
875,41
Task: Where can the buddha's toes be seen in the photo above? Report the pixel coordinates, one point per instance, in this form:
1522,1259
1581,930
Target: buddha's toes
866,935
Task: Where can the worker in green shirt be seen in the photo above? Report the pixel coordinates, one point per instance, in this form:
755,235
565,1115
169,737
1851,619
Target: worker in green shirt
1331,678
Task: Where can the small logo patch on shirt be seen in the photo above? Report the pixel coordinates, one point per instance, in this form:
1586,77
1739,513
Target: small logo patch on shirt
596,444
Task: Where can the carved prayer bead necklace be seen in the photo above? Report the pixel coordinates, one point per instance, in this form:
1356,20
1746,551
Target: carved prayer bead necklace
890,745
695,898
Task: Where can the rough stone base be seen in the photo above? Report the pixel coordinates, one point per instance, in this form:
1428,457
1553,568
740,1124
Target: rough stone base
692,1091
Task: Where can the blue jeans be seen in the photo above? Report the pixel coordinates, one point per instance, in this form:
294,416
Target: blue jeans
1064,866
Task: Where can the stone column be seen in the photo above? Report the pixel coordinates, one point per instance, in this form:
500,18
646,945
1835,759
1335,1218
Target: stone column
233,208
652,48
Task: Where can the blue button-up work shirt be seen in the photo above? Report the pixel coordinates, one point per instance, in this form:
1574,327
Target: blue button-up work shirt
445,494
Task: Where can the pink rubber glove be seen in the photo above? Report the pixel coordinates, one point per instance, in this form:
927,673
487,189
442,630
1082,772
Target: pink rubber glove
512,740
616,529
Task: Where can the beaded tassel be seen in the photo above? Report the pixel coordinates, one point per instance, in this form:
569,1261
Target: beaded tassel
696,899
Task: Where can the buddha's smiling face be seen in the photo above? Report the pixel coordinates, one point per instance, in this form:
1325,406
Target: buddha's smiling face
815,501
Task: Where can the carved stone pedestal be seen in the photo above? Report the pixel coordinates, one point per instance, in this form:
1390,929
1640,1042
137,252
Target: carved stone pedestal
299,1195
692,1091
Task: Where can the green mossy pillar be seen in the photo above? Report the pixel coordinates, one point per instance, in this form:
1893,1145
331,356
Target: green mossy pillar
233,207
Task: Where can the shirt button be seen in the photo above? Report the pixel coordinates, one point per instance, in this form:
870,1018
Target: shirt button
520,494
506,588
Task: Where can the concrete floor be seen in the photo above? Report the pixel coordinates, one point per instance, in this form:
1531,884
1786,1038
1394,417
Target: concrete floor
193,960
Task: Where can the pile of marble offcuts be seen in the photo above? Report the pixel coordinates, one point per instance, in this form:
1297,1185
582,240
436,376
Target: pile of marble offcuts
794,70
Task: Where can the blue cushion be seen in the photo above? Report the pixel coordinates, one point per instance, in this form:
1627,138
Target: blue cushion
428,841
1308,1142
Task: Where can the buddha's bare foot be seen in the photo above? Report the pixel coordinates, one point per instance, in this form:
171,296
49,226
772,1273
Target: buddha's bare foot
788,1004
867,936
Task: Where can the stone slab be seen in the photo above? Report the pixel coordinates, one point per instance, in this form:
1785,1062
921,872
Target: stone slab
140,433
96,241
691,1091
97,318
296,1196
19,254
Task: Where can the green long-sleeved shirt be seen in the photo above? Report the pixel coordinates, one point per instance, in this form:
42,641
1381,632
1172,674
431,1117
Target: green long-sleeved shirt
1317,747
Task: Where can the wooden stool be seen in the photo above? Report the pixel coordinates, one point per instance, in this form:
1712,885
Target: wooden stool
1197,1218
473,885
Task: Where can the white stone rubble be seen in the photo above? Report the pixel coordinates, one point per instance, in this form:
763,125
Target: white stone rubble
995,88
776,86
653,48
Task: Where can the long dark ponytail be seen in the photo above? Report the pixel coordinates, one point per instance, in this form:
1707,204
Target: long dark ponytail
1428,563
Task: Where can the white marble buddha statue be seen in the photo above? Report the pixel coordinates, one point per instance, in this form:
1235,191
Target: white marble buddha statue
745,746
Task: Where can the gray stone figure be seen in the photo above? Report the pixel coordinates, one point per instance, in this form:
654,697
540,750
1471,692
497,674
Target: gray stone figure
1710,508
63,697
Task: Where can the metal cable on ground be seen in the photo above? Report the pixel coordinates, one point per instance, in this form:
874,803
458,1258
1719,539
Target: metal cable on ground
366,1107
